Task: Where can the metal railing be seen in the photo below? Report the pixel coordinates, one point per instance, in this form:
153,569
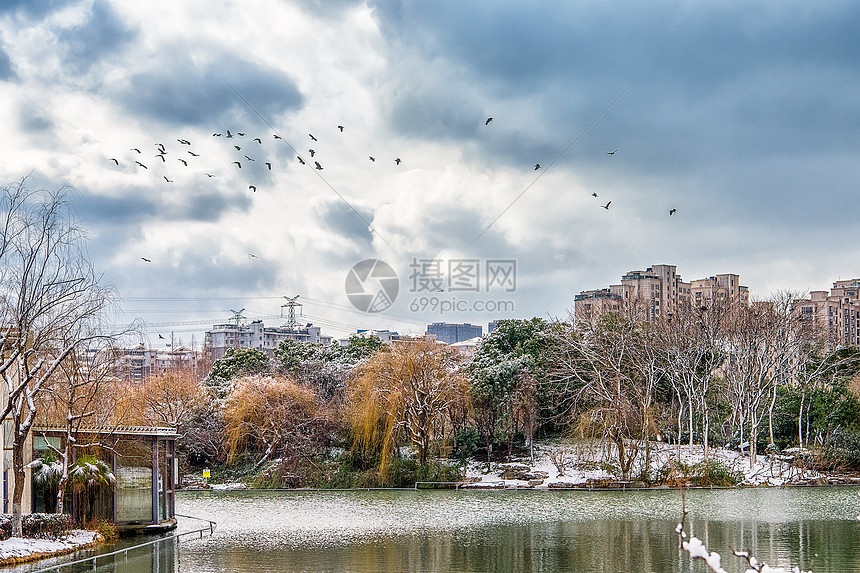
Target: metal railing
94,558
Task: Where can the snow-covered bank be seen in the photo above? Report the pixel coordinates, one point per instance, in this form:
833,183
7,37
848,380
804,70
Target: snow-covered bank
20,550
583,468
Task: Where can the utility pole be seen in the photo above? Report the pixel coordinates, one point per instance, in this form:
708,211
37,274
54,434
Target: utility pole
291,314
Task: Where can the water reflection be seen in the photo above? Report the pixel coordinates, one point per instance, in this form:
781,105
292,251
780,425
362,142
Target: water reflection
507,531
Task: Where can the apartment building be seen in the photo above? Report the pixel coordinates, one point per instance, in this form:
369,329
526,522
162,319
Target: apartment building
449,333
139,362
837,311
656,293
222,337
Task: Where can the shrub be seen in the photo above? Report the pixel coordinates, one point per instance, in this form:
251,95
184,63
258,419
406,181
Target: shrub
843,449
41,525
714,473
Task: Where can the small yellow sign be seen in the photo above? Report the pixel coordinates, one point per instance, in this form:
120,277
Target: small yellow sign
206,473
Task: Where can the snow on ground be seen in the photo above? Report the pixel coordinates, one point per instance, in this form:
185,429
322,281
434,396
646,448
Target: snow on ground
21,548
228,486
584,465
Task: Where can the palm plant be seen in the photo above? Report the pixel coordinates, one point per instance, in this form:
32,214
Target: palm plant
47,473
87,475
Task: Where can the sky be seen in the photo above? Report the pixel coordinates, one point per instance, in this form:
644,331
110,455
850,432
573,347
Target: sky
744,117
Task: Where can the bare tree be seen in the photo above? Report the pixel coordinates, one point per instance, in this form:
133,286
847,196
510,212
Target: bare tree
764,343
599,358
78,395
693,346
51,300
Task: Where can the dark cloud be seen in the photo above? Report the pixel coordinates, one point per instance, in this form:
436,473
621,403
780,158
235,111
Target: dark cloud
32,8
33,119
103,34
207,207
344,221
98,210
725,79
140,205
192,94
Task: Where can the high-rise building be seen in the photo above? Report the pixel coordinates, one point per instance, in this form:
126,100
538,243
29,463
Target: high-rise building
655,293
449,333
837,312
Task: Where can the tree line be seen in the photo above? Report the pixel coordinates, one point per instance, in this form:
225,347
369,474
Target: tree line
756,376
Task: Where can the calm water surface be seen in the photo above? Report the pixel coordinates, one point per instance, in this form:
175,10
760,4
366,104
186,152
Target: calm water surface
472,531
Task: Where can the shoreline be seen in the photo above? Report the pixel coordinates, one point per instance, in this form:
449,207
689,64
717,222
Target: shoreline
468,486
18,550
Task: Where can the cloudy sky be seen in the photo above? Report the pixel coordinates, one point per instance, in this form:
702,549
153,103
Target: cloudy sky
743,116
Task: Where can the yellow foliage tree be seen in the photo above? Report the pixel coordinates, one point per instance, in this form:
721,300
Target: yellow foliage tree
273,416
406,392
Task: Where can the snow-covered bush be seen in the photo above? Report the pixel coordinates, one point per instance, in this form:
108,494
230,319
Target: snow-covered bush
43,525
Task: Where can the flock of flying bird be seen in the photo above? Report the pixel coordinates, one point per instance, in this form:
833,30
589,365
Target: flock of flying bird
241,150
238,136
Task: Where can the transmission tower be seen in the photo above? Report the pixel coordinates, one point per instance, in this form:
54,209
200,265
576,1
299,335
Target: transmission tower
238,319
291,304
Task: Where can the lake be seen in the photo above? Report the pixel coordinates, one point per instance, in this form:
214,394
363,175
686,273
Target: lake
532,530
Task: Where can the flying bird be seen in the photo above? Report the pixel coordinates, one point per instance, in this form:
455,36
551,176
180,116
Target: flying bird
185,163
161,155
340,127
317,163
160,337
184,141
160,146
611,152
239,164
312,152
372,158
302,161
594,195
145,260
397,161
191,153
249,159
239,133
607,206
252,188
537,166
237,148
209,175
114,160
135,149
269,165
141,164
229,134
672,212
258,140
216,135
276,136
311,135
252,255
168,180
489,119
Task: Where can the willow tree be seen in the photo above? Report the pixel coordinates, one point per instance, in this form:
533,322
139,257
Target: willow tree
272,416
51,301
404,393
